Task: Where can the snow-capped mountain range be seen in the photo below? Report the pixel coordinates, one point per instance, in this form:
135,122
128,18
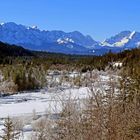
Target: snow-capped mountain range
62,42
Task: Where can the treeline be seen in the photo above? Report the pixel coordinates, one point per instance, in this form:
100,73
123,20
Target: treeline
18,77
27,69
7,50
11,55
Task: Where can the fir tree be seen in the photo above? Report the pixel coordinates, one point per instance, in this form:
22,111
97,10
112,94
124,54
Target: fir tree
9,133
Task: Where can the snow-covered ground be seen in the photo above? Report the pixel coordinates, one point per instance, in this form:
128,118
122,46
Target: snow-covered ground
25,103
50,101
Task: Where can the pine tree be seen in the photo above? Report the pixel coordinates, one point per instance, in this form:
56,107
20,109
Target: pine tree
9,133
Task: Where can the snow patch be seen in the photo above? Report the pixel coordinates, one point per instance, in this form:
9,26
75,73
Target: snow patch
2,23
64,41
117,64
121,43
132,34
70,46
116,44
138,44
24,104
34,27
104,43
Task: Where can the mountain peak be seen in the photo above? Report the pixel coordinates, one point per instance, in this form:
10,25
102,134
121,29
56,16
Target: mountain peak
2,23
36,39
60,41
34,27
10,24
125,39
119,40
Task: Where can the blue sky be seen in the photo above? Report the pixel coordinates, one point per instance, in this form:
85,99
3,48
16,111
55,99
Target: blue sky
99,18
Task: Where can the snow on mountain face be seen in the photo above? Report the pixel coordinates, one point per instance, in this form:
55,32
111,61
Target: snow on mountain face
2,23
85,41
134,40
18,33
132,34
64,41
59,41
125,39
118,40
122,42
34,27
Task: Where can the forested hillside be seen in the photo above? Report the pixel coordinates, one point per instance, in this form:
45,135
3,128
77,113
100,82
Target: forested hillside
26,69
13,50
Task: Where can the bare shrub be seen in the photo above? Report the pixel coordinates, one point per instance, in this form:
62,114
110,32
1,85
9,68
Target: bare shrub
42,129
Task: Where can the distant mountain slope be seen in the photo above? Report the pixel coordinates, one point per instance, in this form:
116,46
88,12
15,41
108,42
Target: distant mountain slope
125,39
35,39
62,42
12,50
